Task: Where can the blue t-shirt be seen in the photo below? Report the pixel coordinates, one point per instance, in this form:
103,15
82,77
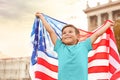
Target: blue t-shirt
73,60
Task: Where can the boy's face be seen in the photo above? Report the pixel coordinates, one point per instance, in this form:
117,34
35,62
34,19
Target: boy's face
69,36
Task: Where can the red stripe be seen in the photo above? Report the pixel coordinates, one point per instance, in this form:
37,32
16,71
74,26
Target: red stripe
102,42
98,69
115,76
43,76
114,55
112,69
48,65
100,55
109,31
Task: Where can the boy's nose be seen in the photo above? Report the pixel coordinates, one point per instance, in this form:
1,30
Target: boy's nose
67,34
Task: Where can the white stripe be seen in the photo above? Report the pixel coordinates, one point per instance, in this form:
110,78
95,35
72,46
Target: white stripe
32,37
98,76
110,74
32,71
99,49
113,45
99,62
36,79
118,70
45,70
47,58
101,37
118,78
113,62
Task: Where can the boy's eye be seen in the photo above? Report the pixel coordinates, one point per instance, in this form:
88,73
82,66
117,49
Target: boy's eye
70,31
64,33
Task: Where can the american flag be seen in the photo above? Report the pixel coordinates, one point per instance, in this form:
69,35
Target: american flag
103,60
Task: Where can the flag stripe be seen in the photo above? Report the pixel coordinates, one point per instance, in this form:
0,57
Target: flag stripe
49,59
104,37
102,49
45,70
98,62
43,76
112,68
113,61
103,42
116,76
98,76
97,69
46,64
98,55
114,55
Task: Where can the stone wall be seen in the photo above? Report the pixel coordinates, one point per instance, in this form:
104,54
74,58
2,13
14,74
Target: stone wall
14,69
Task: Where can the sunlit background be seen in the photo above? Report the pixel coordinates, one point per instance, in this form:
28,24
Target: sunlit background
17,16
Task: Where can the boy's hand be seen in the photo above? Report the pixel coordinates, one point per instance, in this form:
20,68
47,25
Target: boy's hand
38,14
109,23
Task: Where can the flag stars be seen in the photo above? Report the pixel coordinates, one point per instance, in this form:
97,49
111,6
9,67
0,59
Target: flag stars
35,42
43,35
40,29
35,58
43,44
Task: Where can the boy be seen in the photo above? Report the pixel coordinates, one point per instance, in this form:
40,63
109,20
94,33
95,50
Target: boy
72,54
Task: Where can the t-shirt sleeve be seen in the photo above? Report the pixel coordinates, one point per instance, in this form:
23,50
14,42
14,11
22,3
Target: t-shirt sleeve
88,44
57,45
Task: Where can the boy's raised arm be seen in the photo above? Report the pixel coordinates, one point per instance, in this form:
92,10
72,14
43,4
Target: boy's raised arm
47,26
101,31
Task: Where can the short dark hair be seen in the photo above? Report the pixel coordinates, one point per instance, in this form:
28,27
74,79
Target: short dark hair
72,26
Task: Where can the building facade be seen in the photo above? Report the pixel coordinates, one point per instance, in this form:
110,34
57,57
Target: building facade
15,68
98,14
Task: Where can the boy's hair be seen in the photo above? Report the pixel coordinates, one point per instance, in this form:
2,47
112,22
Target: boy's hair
72,26
116,29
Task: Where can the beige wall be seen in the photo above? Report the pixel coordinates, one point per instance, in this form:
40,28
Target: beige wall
97,15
